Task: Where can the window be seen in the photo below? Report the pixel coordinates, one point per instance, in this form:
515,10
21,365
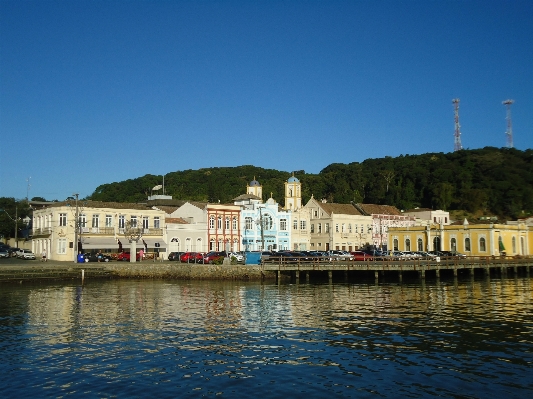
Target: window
320,227
395,244
349,228
96,221
316,213
83,220
234,224
326,227
312,228
514,244
226,223
355,226
157,222
121,222
295,224
467,244
248,223
267,222
108,220
211,222
62,246
219,222
283,224
407,244
453,244
198,244
303,225
62,219
146,222
420,244
336,227
133,221
342,228
482,247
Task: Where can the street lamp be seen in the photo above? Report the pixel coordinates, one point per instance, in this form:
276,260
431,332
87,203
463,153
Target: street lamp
16,223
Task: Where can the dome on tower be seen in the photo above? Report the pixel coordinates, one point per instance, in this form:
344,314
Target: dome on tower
254,183
293,179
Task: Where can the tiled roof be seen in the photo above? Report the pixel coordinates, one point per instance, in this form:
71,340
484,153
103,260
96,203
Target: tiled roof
373,209
176,221
338,209
98,204
246,197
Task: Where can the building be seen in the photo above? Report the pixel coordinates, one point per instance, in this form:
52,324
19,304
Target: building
337,226
384,217
489,239
100,226
426,215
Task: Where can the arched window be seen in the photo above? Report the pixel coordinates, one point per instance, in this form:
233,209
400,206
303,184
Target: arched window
407,244
267,222
514,244
211,222
248,223
395,244
349,228
187,244
212,244
521,245
199,245
226,224
453,244
219,222
420,244
482,247
467,244
234,224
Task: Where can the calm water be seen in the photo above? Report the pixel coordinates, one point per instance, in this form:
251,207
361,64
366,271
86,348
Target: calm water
448,338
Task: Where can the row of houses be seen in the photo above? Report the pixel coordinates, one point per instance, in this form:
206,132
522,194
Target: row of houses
251,224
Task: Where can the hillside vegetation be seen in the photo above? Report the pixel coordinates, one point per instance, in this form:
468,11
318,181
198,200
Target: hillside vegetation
496,181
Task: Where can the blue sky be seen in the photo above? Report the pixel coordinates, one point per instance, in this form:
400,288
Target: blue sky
95,92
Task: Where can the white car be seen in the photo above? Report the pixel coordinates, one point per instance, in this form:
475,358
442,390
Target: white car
238,256
25,254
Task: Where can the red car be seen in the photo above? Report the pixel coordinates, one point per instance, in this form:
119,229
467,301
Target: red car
125,256
214,256
192,257
360,255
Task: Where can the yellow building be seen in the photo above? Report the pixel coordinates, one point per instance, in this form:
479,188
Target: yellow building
470,239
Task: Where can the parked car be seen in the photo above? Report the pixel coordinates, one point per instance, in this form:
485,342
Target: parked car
25,254
175,256
236,255
192,257
360,255
126,257
4,253
93,257
341,255
13,251
213,256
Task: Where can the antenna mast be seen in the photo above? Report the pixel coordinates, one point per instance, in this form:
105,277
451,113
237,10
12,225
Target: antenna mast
457,146
509,132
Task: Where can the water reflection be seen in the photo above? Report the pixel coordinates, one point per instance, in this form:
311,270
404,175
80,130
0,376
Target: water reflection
137,338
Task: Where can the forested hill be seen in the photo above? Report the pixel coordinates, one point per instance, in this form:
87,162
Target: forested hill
491,180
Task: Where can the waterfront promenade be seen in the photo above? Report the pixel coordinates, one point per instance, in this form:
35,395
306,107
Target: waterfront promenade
16,270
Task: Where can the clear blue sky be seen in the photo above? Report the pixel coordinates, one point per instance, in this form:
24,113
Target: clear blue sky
95,92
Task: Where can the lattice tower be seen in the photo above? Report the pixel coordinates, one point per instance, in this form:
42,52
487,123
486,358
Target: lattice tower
458,146
509,132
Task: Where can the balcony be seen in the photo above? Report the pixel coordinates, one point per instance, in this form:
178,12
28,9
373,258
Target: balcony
42,231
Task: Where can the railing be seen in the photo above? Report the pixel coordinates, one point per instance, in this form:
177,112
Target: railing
42,231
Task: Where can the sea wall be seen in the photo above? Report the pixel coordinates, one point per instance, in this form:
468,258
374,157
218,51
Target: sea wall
187,271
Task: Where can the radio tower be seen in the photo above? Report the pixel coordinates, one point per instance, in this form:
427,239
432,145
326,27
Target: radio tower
458,145
509,132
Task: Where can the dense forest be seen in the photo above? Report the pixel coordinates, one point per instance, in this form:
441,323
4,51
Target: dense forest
489,181
496,181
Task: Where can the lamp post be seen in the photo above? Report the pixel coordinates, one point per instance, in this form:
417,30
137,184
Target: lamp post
76,227
16,223
132,233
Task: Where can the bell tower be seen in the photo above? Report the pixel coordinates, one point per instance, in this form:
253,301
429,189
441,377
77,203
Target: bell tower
255,188
293,194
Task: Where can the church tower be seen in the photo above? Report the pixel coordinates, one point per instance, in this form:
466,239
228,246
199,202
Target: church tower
293,194
255,188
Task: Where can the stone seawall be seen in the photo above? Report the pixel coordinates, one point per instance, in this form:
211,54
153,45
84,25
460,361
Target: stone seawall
187,271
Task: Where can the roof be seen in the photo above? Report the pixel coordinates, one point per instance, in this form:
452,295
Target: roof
97,204
293,179
254,183
373,209
339,209
418,210
246,197
176,221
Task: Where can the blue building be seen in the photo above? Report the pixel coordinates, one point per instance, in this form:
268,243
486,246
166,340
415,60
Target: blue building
264,226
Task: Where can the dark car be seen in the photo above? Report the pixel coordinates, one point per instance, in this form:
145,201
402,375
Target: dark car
285,257
213,256
93,257
175,256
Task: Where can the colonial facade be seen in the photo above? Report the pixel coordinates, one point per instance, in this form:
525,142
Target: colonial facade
384,217
426,215
100,226
489,239
337,226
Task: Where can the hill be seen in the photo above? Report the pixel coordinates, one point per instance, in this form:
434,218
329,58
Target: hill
497,181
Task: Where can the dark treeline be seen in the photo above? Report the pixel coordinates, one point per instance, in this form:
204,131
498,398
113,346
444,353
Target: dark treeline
496,181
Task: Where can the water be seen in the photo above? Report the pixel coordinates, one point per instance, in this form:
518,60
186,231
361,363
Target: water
105,339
